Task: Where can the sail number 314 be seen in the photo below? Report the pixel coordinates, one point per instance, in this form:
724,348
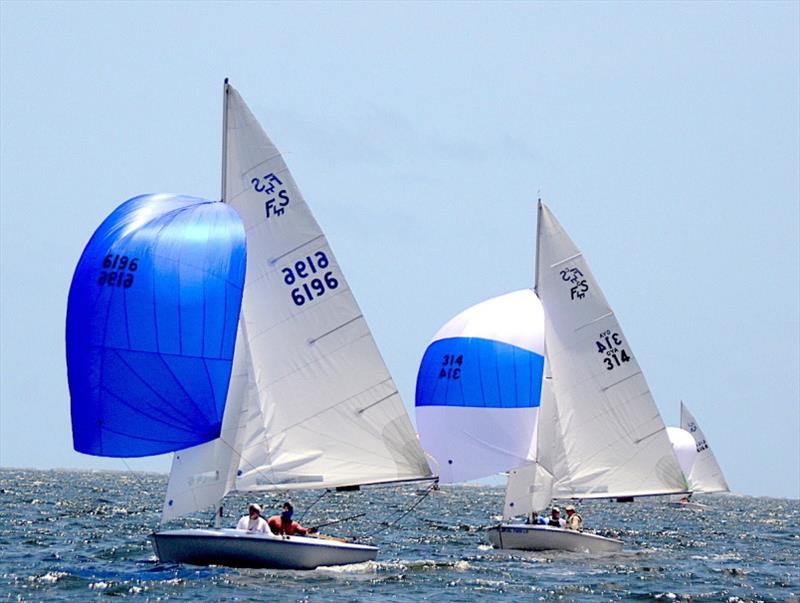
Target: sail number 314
302,270
610,346
451,366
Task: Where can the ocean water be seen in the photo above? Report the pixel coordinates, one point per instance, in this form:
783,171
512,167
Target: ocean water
77,536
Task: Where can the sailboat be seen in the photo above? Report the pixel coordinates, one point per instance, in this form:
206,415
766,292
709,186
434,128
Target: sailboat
597,433
700,466
277,357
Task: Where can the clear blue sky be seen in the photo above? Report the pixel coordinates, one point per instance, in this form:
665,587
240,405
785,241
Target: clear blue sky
665,137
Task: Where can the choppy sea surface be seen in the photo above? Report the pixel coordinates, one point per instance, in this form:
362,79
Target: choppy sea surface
75,536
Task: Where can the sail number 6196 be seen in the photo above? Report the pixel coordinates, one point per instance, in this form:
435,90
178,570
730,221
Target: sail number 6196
302,270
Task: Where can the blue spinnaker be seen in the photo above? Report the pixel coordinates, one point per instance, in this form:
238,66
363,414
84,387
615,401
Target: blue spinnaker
151,326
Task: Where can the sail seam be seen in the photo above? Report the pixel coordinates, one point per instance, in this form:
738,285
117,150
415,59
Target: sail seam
168,420
149,386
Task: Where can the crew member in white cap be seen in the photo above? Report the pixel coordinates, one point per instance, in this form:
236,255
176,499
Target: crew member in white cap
253,522
574,520
555,518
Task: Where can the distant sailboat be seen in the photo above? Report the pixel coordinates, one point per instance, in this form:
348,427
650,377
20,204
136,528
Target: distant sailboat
703,473
598,433
706,474
301,400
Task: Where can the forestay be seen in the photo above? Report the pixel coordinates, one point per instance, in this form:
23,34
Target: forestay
610,439
706,474
479,387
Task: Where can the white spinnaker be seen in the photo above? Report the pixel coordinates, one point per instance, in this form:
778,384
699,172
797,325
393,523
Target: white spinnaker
614,442
328,411
706,474
684,447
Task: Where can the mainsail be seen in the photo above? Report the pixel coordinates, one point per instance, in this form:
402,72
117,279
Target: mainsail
600,434
706,474
319,407
479,385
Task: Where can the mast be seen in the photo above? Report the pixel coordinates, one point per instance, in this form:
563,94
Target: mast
218,512
538,245
224,137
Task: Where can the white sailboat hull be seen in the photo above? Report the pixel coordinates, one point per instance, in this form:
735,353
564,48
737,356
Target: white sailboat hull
546,538
236,548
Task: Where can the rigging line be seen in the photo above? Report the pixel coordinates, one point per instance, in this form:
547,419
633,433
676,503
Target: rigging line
140,480
308,508
407,511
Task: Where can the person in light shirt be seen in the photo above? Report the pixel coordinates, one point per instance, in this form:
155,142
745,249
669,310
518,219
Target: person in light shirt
574,520
253,522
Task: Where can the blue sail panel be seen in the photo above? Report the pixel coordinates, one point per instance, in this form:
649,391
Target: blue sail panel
151,326
476,372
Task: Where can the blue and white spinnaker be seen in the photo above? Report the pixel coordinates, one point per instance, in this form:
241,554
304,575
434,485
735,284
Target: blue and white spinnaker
479,387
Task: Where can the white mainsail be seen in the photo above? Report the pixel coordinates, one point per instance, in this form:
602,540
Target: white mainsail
706,474
600,433
317,407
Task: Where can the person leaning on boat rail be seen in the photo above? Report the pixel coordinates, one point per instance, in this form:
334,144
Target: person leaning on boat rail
253,522
283,524
555,520
574,520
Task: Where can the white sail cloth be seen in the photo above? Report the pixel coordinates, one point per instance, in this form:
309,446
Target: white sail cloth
706,474
683,446
600,434
320,408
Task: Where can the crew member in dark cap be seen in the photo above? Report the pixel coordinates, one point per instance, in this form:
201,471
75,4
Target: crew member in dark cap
283,524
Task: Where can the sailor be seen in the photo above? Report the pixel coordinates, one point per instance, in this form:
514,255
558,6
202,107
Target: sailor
283,524
555,518
253,522
574,520
535,519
